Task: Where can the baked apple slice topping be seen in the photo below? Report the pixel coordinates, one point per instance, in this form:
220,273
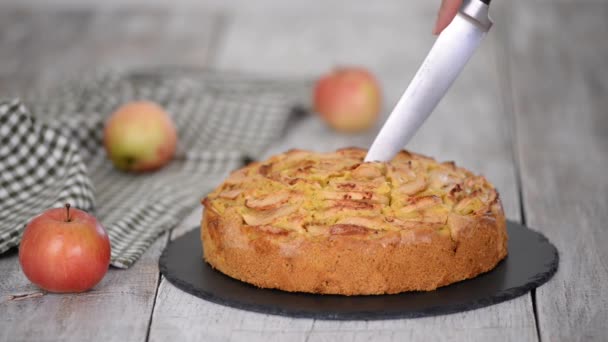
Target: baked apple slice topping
368,171
260,218
230,194
420,203
365,196
262,210
269,202
369,222
413,187
339,194
350,229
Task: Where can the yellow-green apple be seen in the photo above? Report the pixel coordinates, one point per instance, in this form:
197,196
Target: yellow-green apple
64,250
140,136
348,99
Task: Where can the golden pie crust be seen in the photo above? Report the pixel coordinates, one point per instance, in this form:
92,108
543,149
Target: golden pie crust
329,223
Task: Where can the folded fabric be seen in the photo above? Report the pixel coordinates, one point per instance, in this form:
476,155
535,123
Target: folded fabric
53,154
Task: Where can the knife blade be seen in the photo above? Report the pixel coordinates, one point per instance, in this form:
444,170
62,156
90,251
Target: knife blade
448,56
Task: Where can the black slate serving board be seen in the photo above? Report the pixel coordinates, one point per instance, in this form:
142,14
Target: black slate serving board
532,260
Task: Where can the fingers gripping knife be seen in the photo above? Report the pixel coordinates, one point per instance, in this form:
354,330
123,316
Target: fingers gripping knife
448,56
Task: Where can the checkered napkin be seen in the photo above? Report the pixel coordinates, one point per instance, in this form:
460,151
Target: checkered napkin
53,154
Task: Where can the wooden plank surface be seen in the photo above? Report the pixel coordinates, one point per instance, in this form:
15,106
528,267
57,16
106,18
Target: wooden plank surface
118,309
544,63
559,83
469,127
45,47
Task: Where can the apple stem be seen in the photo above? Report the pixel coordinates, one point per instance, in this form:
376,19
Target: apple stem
67,208
130,161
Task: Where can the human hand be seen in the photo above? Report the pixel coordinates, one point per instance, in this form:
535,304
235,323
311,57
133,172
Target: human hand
446,13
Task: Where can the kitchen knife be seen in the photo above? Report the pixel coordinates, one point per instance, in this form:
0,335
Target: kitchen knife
448,56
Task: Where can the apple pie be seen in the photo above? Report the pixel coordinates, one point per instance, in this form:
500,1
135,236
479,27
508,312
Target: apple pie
330,223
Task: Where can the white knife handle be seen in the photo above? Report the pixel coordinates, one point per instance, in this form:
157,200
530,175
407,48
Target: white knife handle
448,56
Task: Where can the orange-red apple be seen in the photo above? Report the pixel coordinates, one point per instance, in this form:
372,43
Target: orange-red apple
64,250
348,99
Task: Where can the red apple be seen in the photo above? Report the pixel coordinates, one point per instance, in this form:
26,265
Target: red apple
348,99
140,136
64,250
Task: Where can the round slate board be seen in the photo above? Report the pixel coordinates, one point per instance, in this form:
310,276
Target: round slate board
532,260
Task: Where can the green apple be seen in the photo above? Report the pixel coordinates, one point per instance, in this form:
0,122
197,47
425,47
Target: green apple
139,137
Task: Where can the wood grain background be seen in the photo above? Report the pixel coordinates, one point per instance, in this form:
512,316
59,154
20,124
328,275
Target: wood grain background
529,112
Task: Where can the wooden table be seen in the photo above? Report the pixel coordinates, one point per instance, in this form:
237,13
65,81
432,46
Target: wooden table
529,111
